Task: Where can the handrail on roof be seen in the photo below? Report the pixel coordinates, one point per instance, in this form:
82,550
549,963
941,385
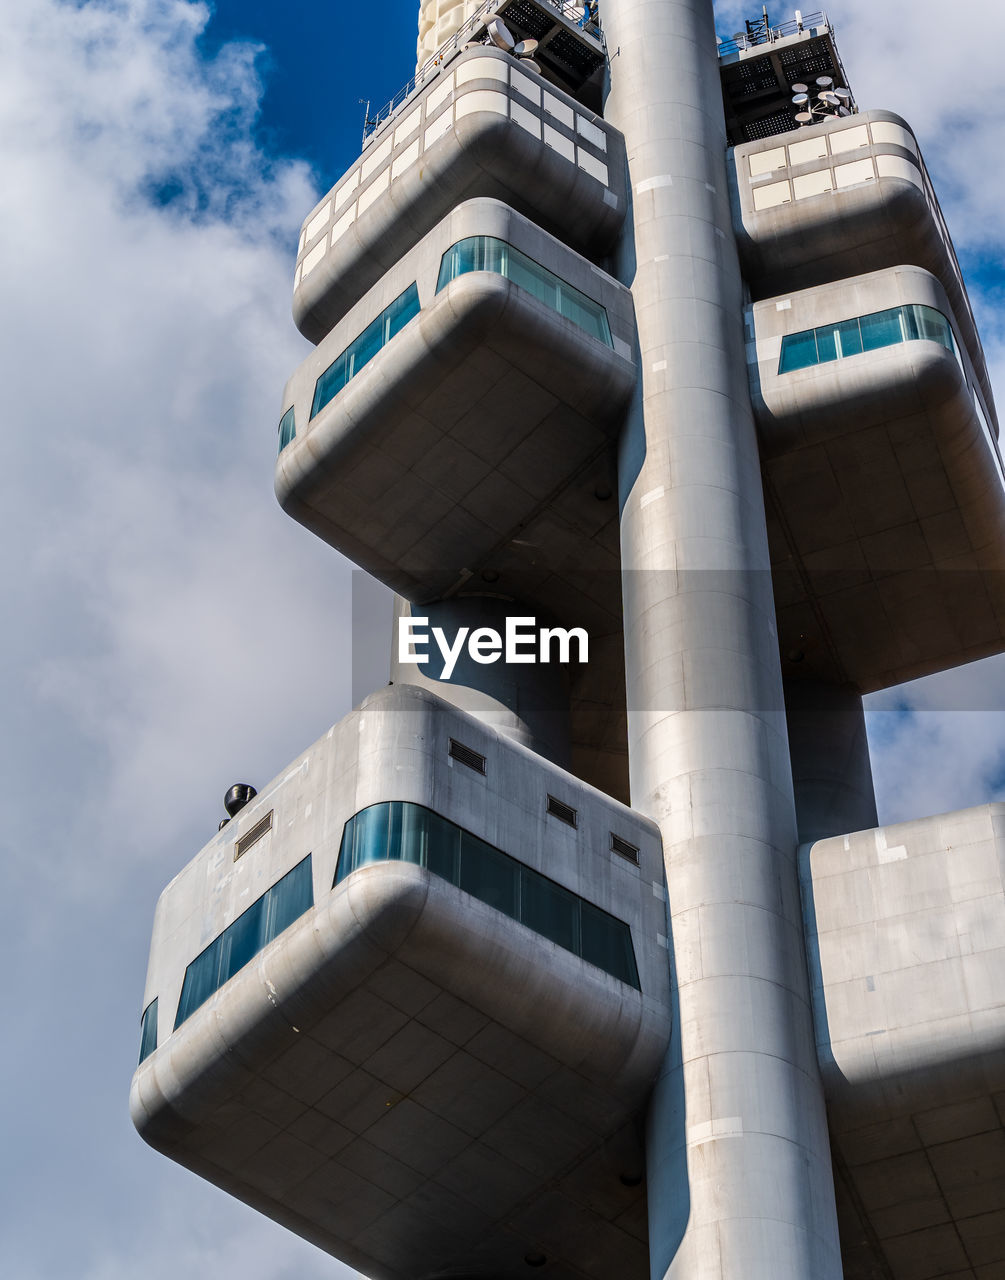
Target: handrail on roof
748,40
578,13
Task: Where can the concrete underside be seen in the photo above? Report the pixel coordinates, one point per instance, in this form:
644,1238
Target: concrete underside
421,1087
906,934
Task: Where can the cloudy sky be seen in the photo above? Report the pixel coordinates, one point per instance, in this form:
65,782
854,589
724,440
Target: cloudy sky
168,629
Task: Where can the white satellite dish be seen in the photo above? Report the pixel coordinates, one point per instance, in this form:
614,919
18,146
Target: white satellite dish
843,94
825,82
500,34
530,65
525,48
831,99
804,117
799,88
800,98
843,111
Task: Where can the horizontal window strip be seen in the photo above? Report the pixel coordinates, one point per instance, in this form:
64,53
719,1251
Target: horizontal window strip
822,345
362,350
398,831
241,941
486,253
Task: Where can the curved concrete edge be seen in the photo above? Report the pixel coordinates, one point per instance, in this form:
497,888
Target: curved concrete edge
482,155
906,950
477,314
590,1022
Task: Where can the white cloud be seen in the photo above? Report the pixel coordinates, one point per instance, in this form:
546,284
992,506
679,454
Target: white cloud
168,629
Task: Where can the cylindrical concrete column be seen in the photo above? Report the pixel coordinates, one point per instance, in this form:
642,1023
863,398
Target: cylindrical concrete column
528,702
740,1184
831,773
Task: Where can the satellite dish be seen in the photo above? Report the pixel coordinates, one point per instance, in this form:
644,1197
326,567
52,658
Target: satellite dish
799,88
825,82
530,65
804,117
831,99
500,34
843,111
525,48
800,99
843,94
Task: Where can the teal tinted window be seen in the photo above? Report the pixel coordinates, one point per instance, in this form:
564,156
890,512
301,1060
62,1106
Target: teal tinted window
361,351
148,1030
864,333
287,428
799,351
485,253
406,832
241,941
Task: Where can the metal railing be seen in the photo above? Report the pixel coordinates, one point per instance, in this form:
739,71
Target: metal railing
577,13
755,39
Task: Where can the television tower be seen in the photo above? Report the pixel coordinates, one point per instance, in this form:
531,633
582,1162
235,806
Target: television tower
646,378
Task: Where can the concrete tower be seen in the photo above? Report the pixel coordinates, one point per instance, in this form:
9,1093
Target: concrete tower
646,378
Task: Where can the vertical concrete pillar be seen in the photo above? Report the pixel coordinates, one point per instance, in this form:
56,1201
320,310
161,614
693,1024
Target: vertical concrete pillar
528,702
831,773
739,1173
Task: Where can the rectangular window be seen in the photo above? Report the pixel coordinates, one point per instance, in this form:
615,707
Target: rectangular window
881,329
865,333
241,941
799,351
486,253
148,1030
287,428
420,836
361,350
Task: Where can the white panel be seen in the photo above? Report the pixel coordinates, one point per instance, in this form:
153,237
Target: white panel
811,149
408,157
846,175
528,87
525,119
344,223
559,142
319,221
376,160
300,246
898,167
588,130
346,189
313,258
297,276
849,139
443,124
373,192
482,100
771,196
408,126
591,165
885,131
555,107
766,161
440,94
482,69
812,184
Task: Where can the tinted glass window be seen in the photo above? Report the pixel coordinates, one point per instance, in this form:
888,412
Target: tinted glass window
241,941
411,833
148,1030
362,350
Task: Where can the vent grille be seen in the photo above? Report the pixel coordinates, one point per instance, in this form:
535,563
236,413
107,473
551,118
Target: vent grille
261,828
625,848
466,755
564,812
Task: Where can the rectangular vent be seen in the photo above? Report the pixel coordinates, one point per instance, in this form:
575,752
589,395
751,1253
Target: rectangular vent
261,828
473,759
625,848
564,812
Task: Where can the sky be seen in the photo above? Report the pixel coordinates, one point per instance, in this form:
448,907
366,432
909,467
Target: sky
167,630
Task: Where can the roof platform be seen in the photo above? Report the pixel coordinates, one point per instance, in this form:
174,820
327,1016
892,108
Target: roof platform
758,68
